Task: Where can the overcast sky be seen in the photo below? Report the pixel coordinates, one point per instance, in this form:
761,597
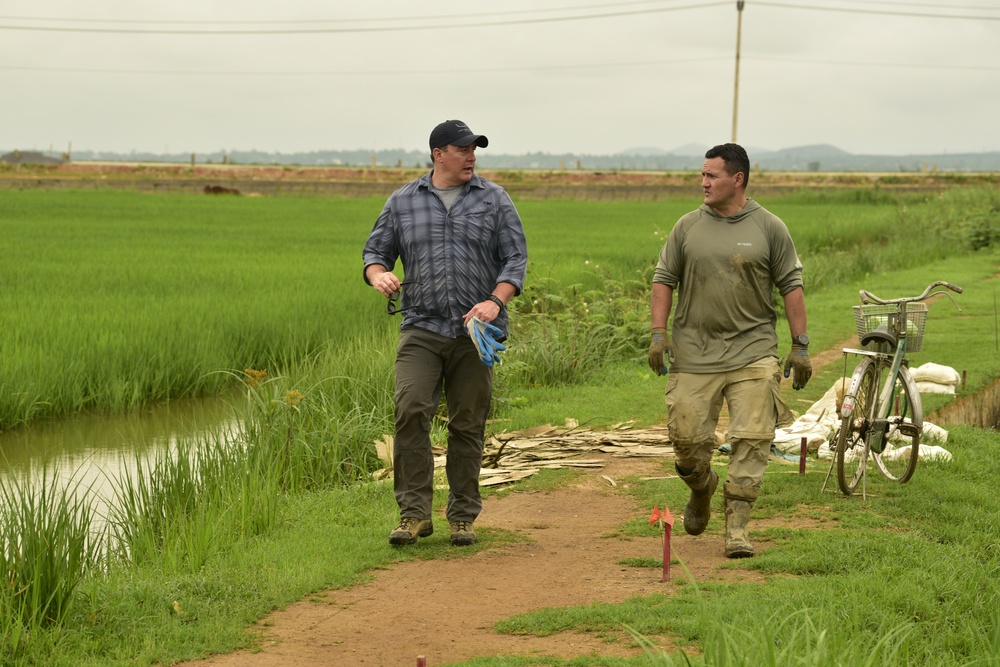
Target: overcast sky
552,76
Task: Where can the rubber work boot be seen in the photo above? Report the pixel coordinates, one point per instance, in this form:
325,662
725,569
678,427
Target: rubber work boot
699,507
462,534
409,529
739,501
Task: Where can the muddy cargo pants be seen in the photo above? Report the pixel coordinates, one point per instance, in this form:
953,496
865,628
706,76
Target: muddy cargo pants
752,394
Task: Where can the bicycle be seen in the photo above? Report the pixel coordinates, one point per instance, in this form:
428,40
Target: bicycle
881,414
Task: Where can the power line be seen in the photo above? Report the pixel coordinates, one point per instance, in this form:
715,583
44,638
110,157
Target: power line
856,63
933,5
881,12
312,22
451,72
480,70
514,12
381,19
406,28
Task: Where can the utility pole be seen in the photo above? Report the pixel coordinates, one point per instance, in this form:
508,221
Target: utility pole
736,85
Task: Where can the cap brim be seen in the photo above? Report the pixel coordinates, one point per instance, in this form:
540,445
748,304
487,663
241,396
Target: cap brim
477,139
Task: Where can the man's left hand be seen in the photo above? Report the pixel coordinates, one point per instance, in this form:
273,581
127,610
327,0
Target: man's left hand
659,345
798,360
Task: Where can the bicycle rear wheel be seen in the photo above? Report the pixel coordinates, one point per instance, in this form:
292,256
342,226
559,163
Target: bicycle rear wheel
902,438
852,439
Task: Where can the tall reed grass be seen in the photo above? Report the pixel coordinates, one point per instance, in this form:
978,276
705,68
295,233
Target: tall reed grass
188,504
295,436
47,545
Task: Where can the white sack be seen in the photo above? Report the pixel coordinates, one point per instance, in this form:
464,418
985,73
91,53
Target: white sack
934,388
931,372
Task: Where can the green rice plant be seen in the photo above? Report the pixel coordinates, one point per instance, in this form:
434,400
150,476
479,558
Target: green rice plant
844,236
115,299
560,335
579,242
47,546
119,298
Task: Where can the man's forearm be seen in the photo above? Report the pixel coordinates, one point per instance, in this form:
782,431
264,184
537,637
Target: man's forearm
660,302
795,311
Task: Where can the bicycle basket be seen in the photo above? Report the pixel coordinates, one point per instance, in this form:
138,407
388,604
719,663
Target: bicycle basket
872,316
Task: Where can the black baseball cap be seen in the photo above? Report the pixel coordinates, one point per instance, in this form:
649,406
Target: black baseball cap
457,133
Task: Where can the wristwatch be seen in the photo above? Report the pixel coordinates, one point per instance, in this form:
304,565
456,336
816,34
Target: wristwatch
497,300
801,339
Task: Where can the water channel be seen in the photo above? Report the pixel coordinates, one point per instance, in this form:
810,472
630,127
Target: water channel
94,450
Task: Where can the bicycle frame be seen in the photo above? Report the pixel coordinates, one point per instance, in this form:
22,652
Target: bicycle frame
892,365
882,401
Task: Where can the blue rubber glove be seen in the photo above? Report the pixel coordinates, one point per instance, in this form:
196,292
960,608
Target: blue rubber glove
485,336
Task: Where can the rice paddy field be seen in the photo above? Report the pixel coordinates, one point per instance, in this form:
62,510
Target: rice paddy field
111,299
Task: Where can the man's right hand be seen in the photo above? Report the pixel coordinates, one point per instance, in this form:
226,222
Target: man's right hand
659,343
382,280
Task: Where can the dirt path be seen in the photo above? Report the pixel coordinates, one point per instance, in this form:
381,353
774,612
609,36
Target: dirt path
445,609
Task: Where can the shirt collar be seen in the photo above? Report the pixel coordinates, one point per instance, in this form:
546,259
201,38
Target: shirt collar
476,181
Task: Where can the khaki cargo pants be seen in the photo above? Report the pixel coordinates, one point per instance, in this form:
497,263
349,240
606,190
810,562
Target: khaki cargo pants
753,396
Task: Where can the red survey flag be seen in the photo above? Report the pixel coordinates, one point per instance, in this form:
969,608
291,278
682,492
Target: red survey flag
668,518
656,516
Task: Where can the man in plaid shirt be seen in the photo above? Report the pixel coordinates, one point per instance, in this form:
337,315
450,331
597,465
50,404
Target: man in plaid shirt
464,255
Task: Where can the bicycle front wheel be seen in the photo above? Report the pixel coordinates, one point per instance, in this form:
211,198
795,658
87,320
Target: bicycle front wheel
852,439
903,428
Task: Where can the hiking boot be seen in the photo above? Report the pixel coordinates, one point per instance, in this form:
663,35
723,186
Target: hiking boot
462,534
699,507
409,529
739,500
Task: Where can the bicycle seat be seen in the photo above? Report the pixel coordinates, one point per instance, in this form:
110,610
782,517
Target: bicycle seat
881,334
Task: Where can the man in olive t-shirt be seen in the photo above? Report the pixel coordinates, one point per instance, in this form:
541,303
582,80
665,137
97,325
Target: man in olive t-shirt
720,265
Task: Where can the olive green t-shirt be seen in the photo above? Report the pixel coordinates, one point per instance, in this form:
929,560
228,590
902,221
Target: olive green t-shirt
723,271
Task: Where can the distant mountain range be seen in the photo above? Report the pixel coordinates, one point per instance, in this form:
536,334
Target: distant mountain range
824,157
819,157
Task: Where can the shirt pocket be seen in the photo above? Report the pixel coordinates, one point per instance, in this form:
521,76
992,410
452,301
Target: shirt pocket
476,225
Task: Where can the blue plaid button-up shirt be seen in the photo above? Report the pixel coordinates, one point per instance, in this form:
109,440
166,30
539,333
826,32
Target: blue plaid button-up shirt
451,260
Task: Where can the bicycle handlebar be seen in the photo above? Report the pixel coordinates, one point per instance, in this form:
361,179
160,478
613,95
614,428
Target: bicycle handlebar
867,296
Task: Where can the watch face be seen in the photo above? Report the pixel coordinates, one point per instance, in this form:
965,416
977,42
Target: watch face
802,339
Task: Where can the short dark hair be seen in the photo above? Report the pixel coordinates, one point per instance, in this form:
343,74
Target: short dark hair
734,157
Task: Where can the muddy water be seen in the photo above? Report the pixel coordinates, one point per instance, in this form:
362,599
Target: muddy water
95,449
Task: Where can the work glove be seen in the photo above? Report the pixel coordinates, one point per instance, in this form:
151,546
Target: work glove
798,359
658,344
486,336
